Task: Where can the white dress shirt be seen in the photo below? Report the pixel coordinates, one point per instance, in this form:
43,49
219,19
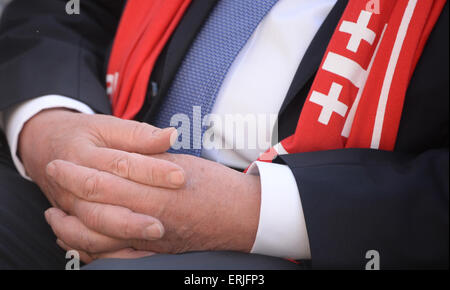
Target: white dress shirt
256,84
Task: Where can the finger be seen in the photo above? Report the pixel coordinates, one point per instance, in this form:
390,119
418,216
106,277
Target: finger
102,187
127,253
117,222
113,221
60,197
136,167
70,230
134,136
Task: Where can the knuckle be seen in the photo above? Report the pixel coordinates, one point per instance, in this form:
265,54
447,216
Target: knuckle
153,176
121,166
137,131
127,226
90,185
93,215
88,244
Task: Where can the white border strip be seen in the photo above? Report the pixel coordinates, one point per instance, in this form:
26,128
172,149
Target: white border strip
381,111
280,149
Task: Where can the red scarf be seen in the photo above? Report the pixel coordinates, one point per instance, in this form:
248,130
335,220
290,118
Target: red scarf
357,97
144,30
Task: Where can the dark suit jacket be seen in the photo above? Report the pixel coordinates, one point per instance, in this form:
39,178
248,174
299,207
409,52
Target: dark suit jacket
354,200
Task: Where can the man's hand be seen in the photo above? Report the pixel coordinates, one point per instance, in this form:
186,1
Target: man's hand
217,209
103,143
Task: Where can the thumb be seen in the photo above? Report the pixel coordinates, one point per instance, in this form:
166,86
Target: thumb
132,136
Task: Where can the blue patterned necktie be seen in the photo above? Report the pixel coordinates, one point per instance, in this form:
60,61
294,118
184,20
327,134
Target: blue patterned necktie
198,81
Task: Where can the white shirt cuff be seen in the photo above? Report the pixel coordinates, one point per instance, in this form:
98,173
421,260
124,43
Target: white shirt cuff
15,117
282,229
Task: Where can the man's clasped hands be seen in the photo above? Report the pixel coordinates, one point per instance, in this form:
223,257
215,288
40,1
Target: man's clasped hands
116,193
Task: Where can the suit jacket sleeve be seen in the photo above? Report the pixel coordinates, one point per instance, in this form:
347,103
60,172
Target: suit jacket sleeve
359,200
46,51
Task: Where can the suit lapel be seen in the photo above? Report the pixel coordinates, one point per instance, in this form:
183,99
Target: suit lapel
313,56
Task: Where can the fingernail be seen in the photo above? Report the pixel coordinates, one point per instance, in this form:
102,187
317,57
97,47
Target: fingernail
174,137
153,232
51,169
48,214
163,131
176,178
59,243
